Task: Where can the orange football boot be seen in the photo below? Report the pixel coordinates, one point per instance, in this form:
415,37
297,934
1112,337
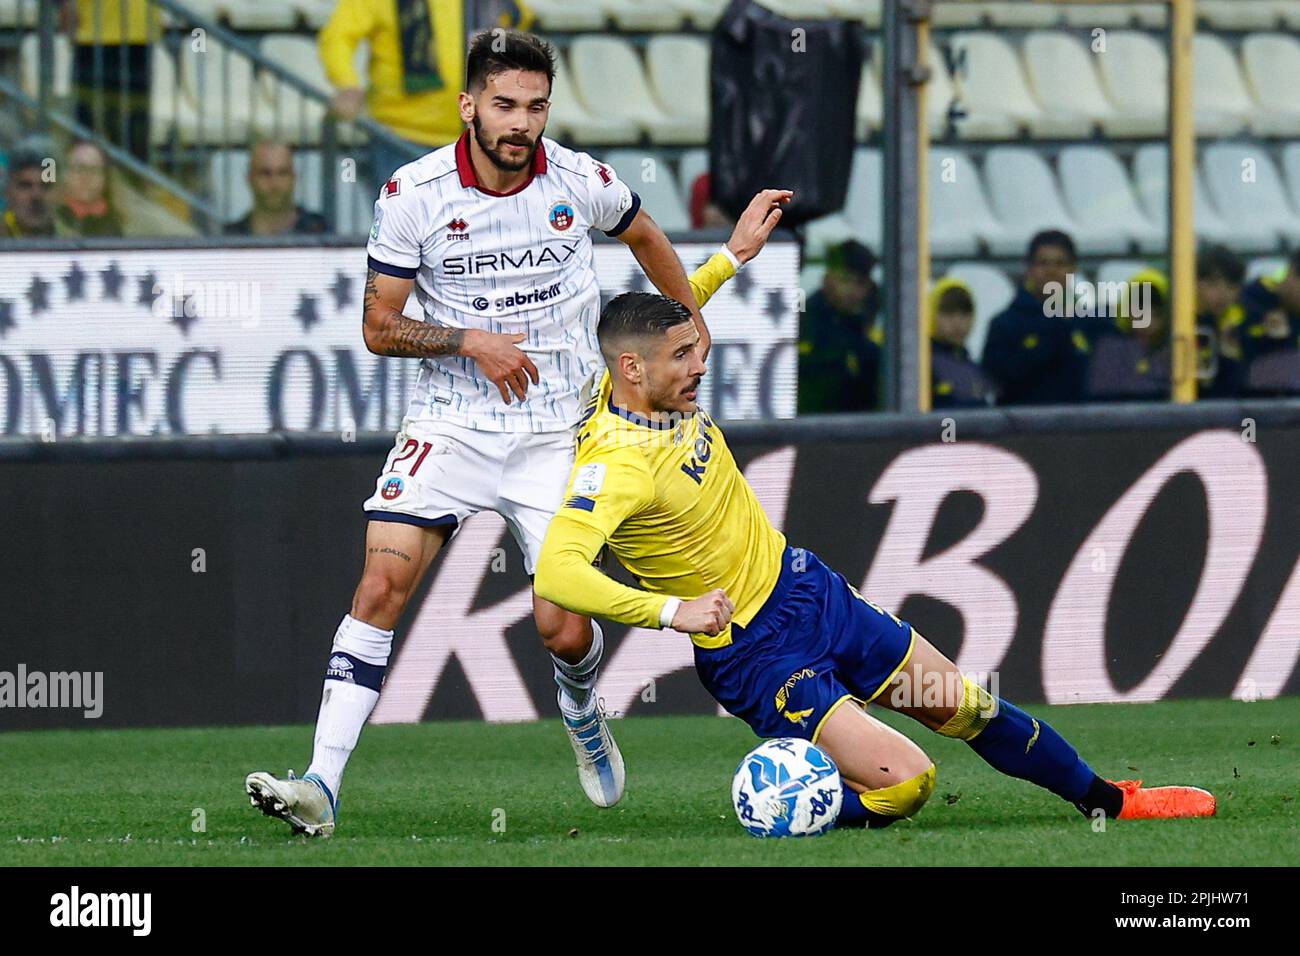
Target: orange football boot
1150,803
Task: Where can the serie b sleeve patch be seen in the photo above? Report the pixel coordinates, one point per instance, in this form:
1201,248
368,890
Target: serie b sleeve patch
589,480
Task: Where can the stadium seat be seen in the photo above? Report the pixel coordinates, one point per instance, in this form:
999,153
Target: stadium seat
611,82
1238,14
29,56
992,89
18,13
865,11
1120,270
1272,67
799,9
702,13
1063,77
864,200
939,94
218,95
960,217
1151,176
1097,190
992,290
638,15
164,95
259,14
826,231
690,166
208,11
1223,105
286,113
1091,15
810,279
315,13
649,175
1022,16
870,110
566,15
1135,74
678,69
1027,199
1291,170
1258,198
957,14
570,115
1289,12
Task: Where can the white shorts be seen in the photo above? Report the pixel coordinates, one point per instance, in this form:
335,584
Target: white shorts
439,473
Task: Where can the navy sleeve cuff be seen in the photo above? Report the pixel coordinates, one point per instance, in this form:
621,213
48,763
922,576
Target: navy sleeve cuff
627,217
400,272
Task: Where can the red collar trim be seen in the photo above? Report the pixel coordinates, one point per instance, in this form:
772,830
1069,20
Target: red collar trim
466,168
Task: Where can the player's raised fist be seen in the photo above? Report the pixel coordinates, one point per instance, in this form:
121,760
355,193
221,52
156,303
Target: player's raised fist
708,614
499,357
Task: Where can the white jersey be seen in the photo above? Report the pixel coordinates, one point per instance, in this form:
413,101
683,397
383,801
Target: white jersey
502,262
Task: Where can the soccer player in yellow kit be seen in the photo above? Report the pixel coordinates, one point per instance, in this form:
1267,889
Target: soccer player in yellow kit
781,640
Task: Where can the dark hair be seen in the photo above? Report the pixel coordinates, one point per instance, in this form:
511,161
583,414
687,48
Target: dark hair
1051,237
497,50
851,256
1220,262
955,299
636,315
27,154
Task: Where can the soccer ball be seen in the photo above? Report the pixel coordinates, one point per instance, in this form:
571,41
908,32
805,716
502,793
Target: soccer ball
787,787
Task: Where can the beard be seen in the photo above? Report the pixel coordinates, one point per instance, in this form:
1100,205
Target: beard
499,159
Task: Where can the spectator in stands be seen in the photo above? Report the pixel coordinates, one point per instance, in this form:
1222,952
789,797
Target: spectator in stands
839,364
1219,277
1270,332
955,380
87,208
29,193
1135,365
1034,356
111,67
417,70
272,179
705,213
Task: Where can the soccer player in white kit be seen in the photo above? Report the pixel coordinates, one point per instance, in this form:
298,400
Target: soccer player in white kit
492,234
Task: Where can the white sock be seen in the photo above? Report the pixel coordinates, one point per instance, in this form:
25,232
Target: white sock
578,681
352,680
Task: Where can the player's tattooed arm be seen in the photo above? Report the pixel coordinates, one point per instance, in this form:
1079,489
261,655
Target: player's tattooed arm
389,332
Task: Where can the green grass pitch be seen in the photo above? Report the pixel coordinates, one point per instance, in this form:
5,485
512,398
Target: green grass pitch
440,793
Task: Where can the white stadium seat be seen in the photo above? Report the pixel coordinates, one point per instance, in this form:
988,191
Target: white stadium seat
1063,76
1022,16
1027,199
315,13
957,14
939,92
992,291
18,13
29,56
1223,106
991,87
218,95
690,166
608,75
288,114
1135,74
1151,176
1097,190
702,13
1238,14
638,15
1108,15
259,14
649,175
870,110
1120,270
570,116
1291,169
826,231
960,216
1272,67
1244,183
567,15
678,68
864,200
164,94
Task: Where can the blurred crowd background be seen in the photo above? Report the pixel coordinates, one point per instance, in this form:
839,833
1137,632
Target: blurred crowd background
1047,169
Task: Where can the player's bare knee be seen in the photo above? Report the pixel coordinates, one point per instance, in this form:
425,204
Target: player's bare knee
378,598
566,636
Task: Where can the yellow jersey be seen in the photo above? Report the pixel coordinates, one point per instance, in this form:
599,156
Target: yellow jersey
671,503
